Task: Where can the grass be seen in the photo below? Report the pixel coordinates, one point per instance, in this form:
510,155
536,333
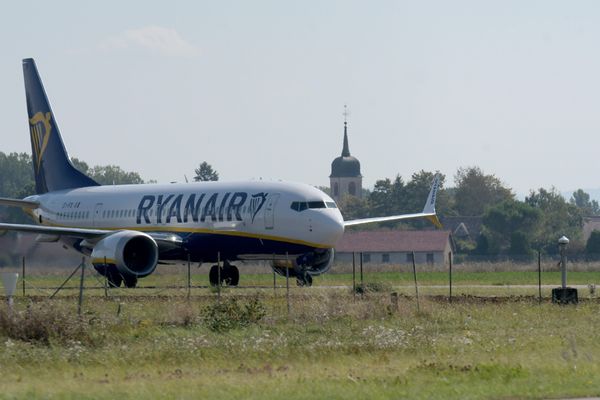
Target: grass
331,345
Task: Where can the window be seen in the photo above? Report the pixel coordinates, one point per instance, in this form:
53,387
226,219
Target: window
409,258
299,205
336,189
366,257
352,188
430,258
331,204
316,204
385,258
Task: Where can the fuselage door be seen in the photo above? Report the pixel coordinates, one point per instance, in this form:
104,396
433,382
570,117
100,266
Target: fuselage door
97,214
270,211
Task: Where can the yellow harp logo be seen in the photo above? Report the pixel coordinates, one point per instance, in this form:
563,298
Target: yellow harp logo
40,129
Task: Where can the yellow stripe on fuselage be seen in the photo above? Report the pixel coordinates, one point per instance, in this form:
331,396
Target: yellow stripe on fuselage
201,230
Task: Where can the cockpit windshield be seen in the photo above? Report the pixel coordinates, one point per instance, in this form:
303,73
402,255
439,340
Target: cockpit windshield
305,205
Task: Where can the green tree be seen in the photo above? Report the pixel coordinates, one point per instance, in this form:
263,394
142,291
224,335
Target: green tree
205,172
380,199
113,175
593,243
353,207
581,200
475,191
558,218
510,227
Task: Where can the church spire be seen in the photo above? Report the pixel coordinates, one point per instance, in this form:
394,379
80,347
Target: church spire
346,149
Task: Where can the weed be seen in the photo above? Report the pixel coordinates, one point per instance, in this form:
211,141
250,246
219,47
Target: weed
229,314
43,324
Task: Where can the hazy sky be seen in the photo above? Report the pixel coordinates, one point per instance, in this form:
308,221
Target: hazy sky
257,88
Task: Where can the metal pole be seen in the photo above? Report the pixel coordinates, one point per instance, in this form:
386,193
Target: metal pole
274,279
415,275
81,287
563,267
287,282
23,277
105,278
65,282
540,276
354,275
189,277
449,274
219,275
362,282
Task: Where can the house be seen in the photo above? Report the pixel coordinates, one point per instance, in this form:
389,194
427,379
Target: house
396,247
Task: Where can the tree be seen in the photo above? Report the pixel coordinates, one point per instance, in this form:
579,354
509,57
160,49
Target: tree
205,172
475,191
593,243
113,175
558,218
510,227
581,200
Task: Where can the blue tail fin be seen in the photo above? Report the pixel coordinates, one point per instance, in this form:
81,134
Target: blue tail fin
51,165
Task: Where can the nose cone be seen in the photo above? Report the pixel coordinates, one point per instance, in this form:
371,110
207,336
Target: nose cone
331,227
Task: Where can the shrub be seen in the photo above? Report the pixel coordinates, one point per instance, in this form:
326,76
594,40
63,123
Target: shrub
373,287
43,324
229,314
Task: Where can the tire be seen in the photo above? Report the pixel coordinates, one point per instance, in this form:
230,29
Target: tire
114,278
130,281
234,275
213,275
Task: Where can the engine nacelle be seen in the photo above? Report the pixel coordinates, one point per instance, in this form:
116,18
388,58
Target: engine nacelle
314,263
133,253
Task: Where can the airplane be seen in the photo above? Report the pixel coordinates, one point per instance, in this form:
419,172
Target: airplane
127,230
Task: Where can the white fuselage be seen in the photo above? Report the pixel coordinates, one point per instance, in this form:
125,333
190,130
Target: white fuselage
281,214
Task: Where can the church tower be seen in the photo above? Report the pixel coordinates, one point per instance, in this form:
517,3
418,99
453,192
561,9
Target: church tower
345,178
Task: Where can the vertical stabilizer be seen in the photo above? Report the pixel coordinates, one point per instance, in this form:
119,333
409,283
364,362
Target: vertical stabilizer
51,164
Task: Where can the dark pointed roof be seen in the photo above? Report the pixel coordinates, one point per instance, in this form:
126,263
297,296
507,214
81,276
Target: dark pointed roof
345,166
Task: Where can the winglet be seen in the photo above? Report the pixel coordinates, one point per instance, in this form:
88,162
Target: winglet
430,203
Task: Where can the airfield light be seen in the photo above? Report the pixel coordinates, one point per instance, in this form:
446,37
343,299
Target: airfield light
564,294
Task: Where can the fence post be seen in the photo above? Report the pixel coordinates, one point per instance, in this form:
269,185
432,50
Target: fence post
81,287
354,275
23,276
287,282
189,277
362,282
415,275
540,276
219,276
450,275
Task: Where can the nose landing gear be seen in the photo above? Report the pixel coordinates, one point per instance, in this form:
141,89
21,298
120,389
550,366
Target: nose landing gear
229,274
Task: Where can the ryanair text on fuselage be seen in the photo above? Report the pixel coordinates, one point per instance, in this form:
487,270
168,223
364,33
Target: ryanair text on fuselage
198,207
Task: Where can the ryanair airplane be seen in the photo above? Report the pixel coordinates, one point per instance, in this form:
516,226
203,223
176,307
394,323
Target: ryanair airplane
127,230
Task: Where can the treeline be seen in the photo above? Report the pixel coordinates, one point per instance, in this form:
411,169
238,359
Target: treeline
509,226
16,180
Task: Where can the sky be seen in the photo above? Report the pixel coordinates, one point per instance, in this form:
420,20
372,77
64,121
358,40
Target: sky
257,88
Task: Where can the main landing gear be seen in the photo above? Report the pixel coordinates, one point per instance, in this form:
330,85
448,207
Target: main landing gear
304,279
229,275
114,278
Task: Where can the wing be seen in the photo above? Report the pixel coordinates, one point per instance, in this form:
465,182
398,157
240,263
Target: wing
428,211
165,241
18,203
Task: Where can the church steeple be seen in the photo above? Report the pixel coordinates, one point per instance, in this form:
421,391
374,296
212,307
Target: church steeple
345,177
346,149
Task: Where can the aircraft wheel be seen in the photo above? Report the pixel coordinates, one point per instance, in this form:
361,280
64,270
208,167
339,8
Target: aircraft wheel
130,281
114,278
234,275
304,280
213,275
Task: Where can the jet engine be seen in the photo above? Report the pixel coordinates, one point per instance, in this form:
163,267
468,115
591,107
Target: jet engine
305,266
132,253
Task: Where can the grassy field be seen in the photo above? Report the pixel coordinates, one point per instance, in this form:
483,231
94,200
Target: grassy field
154,343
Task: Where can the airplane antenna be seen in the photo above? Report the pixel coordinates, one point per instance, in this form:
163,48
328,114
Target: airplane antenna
186,179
